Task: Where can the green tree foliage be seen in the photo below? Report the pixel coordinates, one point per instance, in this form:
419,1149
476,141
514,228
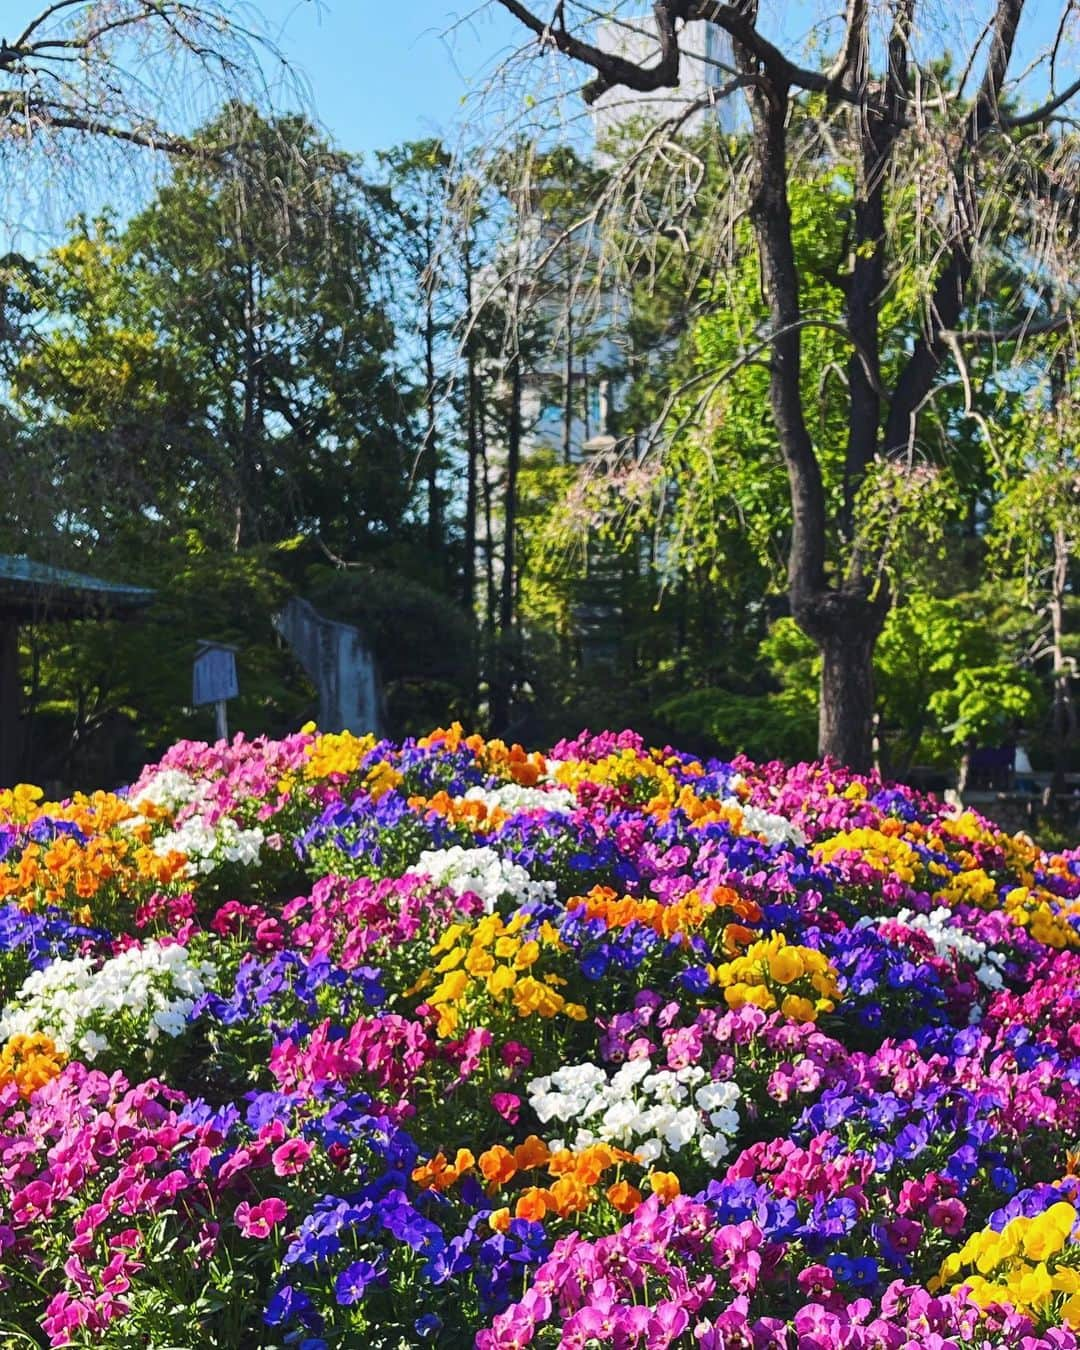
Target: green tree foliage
224,360
946,672
102,695
211,402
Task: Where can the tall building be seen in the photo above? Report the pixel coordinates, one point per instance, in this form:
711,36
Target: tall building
571,393
575,382
706,65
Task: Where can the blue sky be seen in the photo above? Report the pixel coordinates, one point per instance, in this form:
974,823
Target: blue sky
379,72
384,73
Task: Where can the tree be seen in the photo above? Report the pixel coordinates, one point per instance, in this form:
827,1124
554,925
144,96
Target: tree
207,402
123,72
236,321
909,137
417,205
1034,533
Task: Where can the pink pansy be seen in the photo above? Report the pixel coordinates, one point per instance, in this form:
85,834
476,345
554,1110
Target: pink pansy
507,1105
291,1156
259,1220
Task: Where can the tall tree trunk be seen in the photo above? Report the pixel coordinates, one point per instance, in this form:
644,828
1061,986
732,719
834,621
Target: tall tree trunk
10,703
1064,708
510,502
846,705
568,394
500,692
246,503
431,454
490,588
472,435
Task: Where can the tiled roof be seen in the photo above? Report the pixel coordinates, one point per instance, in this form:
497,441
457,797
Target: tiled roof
32,590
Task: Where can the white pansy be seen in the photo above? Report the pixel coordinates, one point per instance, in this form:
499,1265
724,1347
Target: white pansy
170,788
648,1112
91,1044
950,941
724,1121
714,1148
79,1005
682,1128
485,873
206,846
716,1095
514,797
772,828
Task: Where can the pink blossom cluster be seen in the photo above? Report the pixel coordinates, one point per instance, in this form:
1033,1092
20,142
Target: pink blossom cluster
595,1291
351,918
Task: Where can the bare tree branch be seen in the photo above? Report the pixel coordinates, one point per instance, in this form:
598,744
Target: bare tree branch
1043,113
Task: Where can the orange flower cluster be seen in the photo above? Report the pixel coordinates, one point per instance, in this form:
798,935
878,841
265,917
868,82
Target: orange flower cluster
575,1185
116,856
510,762
30,1062
461,811
70,874
698,810
666,920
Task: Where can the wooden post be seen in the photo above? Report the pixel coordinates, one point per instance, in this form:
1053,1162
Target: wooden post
10,701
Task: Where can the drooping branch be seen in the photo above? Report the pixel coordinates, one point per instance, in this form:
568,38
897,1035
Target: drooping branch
852,55
611,68
950,290
877,139
1045,112
59,119
109,70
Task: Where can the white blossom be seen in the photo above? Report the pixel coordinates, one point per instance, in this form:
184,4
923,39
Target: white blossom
950,942
515,797
772,828
170,788
648,1112
78,1004
206,846
485,873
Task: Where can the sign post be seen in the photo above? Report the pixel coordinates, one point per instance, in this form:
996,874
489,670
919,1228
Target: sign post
214,680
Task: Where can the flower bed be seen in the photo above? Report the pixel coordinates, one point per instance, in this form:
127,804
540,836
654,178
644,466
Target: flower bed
327,1042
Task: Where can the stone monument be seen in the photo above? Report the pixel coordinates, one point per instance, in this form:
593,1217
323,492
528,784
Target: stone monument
341,666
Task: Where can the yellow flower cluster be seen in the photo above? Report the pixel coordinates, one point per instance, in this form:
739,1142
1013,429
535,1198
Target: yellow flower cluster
20,804
336,753
973,886
491,959
891,851
29,1062
651,780
1044,915
886,853
771,974
1019,1265
954,835
340,754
